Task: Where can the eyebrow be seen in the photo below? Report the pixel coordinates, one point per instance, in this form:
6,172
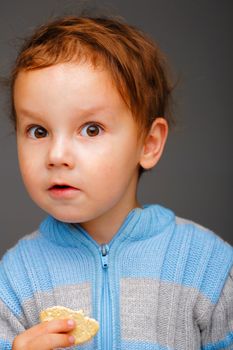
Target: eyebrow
30,114
84,113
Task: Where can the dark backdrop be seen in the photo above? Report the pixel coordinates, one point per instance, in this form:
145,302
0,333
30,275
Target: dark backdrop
194,175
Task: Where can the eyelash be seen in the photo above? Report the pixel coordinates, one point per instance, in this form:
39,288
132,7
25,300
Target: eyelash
100,127
93,124
31,127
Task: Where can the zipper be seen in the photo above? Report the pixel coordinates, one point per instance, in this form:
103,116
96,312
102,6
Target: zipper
106,307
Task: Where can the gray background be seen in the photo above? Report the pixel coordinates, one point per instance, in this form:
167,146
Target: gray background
194,176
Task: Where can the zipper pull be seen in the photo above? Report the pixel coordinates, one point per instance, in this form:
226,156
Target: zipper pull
104,248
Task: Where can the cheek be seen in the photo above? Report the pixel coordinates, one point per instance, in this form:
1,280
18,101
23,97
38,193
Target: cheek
103,162
28,165
110,166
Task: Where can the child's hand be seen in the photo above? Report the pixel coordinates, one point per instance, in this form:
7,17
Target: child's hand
46,336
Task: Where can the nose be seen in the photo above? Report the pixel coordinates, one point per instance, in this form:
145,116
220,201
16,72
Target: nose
60,154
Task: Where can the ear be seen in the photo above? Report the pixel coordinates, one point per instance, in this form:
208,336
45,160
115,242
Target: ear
154,143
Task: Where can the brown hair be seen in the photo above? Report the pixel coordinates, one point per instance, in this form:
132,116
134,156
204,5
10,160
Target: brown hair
136,64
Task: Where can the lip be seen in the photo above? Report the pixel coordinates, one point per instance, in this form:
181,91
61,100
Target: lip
57,191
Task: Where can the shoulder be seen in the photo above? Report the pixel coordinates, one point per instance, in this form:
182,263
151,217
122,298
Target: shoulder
202,238
28,244
13,255
12,261
209,259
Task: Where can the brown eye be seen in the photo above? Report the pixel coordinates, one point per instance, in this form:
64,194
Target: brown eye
37,132
91,130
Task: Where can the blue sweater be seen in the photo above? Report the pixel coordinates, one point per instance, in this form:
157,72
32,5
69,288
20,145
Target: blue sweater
162,283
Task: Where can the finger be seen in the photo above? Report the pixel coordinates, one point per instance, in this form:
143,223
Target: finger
54,326
57,326
44,328
51,341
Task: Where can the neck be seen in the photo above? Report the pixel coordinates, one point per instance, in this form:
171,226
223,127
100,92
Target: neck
104,228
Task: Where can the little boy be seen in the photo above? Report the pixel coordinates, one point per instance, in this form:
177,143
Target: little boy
90,103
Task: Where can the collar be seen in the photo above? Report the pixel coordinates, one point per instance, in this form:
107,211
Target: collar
140,224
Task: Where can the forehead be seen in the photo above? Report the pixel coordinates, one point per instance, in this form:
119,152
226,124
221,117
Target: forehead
69,83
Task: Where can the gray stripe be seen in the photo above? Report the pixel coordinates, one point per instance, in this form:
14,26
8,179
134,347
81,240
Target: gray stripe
76,297
164,313
182,221
222,318
10,326
73,296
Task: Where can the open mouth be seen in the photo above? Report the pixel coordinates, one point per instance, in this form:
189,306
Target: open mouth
61,187
63,191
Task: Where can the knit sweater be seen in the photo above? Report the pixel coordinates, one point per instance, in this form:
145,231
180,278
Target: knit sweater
162,283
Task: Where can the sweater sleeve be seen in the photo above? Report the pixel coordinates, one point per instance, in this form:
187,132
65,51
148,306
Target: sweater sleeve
10,311
218,335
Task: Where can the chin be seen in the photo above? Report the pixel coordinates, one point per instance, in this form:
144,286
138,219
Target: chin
68,217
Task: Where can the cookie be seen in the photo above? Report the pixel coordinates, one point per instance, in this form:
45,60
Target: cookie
85,329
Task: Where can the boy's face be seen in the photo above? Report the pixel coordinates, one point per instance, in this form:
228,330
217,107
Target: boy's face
74,129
